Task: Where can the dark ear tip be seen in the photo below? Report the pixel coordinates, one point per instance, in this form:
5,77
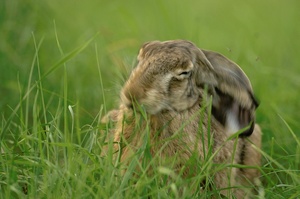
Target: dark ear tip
249,131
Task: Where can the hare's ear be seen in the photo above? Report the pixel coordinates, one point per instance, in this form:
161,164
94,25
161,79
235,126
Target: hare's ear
233,101
230,113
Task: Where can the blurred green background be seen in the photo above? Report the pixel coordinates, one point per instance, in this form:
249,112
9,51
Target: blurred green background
261,36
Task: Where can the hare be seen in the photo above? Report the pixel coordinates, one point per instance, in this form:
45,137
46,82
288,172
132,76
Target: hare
173,83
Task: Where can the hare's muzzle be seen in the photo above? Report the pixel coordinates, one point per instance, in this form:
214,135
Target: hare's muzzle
132,94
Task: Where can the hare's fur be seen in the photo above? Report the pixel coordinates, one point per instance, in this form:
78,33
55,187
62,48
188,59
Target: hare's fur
177,122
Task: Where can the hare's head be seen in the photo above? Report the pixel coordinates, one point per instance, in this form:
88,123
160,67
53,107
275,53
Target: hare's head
165,76
171,75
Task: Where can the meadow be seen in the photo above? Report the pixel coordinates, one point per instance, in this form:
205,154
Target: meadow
62,64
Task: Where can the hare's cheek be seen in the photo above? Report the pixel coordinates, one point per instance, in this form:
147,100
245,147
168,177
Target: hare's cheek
184,104
154,101
183,101
182,95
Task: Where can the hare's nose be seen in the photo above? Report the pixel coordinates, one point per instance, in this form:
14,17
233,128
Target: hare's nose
129,98
129,105
133,93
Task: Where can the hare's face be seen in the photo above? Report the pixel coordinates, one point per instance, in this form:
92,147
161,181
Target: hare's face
163,79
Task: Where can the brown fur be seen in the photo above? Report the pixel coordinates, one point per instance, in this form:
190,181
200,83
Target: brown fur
169,83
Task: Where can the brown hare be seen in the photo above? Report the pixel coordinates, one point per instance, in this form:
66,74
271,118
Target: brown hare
194,101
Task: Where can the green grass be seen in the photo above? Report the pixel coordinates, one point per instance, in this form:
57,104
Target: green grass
62,66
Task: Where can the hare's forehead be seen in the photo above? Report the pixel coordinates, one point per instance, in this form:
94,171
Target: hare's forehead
169,62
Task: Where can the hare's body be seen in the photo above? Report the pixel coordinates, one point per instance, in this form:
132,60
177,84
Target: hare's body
172,82
176,137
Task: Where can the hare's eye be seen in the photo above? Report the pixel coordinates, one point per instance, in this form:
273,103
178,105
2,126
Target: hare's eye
184,74
181,75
